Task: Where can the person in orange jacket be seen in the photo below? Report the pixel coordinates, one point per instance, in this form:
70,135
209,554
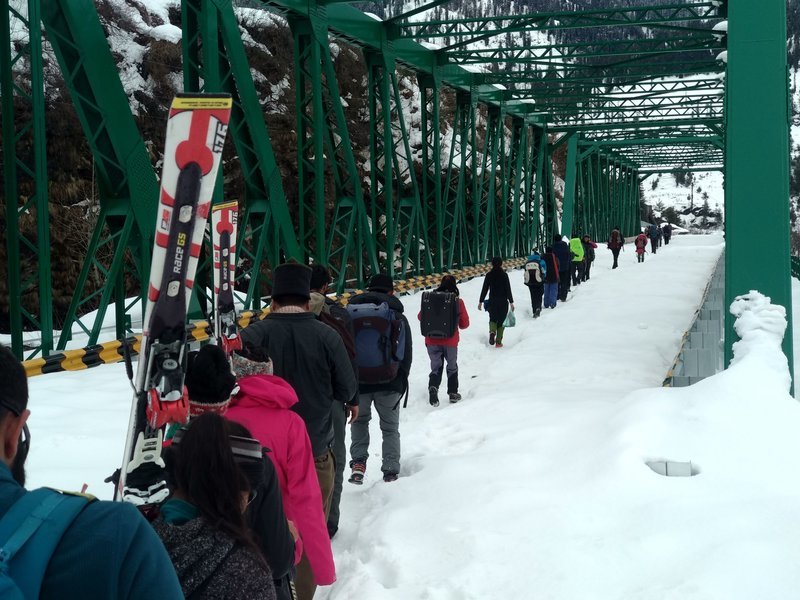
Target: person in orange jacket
440,350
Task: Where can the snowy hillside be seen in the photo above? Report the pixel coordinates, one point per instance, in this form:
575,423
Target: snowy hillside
662,191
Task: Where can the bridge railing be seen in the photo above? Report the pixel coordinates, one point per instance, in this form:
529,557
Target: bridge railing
701,352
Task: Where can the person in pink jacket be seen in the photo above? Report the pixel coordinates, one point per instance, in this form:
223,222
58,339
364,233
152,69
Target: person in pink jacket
263,405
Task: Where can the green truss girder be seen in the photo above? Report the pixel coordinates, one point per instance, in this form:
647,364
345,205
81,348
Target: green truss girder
563,52
25,182
665,16
431,180
459,195
126,180
396,208
214,54
342,239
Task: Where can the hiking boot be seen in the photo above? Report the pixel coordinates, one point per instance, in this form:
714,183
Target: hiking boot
389,476
454,397
498,345
491,338
434,396
357,476
537,313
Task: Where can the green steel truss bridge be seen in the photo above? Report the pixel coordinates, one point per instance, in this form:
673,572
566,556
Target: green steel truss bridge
706,89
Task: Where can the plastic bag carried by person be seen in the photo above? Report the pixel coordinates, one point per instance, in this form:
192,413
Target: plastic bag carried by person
511,320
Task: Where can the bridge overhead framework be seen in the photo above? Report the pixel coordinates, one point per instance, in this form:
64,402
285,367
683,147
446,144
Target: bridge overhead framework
704,89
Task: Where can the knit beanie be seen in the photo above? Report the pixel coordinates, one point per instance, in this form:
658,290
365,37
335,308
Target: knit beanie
209,381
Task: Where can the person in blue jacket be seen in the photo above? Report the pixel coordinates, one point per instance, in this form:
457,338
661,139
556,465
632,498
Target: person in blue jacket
109,550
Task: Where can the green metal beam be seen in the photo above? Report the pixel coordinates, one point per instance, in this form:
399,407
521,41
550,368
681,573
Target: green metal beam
758,110
25,182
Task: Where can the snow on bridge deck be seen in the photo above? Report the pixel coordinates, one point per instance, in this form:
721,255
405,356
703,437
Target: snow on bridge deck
533,486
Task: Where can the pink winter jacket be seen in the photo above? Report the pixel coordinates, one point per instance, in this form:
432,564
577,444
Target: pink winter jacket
262,405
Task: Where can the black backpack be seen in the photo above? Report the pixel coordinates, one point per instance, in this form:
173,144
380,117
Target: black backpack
339,319
439,315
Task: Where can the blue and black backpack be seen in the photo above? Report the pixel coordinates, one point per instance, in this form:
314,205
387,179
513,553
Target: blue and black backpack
380,340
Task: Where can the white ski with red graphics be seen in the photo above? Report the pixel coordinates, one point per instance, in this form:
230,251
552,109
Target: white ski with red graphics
223,238
193,151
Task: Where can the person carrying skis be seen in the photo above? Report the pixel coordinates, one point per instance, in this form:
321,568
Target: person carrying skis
577,255
551,278
386,396
336,317
203,525
641,246
263,405
441,350
498,286
588,255
97,550
652,233
535,274
564,256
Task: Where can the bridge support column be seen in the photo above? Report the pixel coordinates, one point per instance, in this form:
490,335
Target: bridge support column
757,142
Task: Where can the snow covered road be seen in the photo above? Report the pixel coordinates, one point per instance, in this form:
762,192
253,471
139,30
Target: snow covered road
534,486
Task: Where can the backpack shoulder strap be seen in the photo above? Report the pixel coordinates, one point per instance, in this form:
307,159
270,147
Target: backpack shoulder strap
43,515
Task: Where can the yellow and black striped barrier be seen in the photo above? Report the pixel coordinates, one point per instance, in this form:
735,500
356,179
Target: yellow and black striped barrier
199,331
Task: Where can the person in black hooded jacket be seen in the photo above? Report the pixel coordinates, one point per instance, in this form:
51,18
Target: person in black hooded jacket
498,286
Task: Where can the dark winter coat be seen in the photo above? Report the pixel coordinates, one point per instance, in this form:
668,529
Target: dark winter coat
312,358
109,551
211,565
588,251
616,240
498,286
400,383
552,267
563,254
266,518
667,231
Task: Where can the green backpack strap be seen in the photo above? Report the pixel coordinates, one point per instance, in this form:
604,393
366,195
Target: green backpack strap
41,517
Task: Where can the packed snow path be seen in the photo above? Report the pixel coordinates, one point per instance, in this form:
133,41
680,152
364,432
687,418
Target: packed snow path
534,486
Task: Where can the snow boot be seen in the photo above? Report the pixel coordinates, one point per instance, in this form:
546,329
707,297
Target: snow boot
389,476
434,396
357,475
454,397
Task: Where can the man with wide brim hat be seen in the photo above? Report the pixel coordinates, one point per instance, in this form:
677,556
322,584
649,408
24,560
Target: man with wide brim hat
312,358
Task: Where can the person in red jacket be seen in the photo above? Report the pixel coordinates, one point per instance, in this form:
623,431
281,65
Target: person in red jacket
441,350
263,405
641,246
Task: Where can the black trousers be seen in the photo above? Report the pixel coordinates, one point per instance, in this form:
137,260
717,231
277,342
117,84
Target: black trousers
537,291
587,267
577,272
563,284
615,252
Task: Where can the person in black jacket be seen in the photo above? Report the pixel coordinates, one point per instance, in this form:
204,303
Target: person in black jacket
334,315
564,256
312,358
498,286
385,396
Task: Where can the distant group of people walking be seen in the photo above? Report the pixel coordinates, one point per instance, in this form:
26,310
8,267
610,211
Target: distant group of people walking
656,235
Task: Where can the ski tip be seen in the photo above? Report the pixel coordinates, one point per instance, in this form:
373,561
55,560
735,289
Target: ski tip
202,101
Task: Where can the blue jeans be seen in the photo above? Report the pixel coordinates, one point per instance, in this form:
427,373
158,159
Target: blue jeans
550,295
